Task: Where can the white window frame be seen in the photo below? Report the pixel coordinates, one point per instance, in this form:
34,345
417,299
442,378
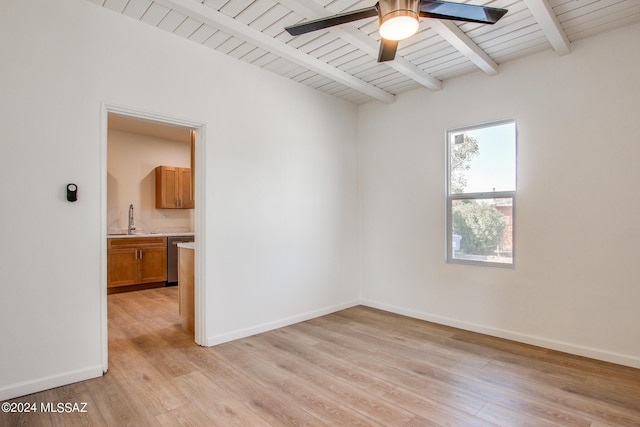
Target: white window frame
479,196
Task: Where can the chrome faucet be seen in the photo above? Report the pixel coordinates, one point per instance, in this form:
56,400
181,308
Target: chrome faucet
131,227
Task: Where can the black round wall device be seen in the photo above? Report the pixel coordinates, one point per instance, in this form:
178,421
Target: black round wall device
72,192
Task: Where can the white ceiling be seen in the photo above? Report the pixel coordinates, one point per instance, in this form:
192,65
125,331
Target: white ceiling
342,61
149,128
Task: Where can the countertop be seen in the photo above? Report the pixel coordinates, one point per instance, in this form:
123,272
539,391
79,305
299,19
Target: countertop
187,245
126,236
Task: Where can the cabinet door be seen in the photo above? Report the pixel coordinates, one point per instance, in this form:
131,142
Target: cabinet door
167,187
153,265
185,189
122,267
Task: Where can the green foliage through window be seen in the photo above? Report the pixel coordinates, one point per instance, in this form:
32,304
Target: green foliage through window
461,156
480,226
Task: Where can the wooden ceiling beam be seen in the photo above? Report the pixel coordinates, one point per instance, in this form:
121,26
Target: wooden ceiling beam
248,34
449,31
547,20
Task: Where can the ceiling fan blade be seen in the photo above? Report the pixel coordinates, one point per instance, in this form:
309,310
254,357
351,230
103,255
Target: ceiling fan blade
460,12
331,21
387,50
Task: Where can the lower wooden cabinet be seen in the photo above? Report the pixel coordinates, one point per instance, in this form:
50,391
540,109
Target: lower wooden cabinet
136,261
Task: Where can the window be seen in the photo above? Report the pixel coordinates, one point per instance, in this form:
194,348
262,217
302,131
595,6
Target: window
481,191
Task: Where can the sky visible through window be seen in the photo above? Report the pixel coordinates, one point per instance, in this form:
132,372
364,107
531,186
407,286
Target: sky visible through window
494,168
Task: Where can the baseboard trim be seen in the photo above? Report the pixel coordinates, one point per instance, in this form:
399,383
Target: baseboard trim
566,347
269,326
45,383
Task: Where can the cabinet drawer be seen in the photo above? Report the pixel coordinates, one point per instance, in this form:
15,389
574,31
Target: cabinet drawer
136,242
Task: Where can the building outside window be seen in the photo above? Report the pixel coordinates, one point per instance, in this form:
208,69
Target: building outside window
481,192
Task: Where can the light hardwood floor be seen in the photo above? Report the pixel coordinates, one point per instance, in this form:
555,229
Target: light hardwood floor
356,367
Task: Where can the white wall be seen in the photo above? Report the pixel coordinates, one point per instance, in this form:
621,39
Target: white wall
575,286
281,168
131,179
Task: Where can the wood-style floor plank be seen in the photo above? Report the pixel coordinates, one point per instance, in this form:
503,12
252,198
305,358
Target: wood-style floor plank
216,403
359,366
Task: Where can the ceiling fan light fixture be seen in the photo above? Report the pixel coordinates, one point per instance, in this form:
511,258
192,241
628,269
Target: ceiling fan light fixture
399,25
398,18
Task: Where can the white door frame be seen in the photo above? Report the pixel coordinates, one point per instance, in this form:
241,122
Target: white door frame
200,232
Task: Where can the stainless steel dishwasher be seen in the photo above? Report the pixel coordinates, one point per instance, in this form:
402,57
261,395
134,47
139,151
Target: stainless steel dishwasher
172,257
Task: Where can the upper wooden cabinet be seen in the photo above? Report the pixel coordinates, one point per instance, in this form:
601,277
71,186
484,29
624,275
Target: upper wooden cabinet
174,188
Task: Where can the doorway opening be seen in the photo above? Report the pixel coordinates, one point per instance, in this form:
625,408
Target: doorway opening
153,195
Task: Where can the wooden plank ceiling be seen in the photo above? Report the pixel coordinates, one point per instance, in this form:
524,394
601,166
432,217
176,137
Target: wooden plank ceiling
342,61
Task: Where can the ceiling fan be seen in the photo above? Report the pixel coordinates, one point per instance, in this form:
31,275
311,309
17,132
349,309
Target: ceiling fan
398,19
